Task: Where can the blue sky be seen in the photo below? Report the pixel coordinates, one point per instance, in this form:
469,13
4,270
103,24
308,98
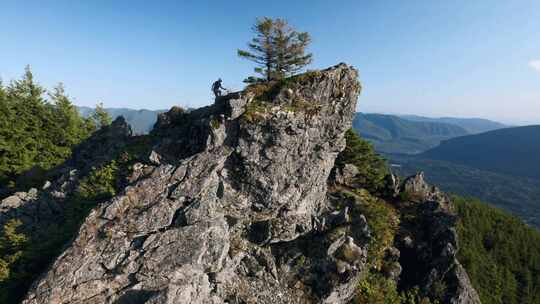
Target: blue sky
436,58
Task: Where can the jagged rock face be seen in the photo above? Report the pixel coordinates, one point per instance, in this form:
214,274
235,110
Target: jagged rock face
229,209
417,185
431,250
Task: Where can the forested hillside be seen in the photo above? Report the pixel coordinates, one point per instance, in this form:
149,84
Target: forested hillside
392,134
38,129
512,151
500,253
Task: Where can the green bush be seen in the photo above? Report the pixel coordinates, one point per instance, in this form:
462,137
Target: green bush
100,183
265,92
376,289
12,245
372,168
383,221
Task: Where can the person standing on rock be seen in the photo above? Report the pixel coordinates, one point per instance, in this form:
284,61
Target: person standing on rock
216,88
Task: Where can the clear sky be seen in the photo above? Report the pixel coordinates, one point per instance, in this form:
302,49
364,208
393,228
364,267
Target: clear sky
437,58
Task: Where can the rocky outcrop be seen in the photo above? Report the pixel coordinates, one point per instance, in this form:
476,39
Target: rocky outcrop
232,203
429,245
417,186
231,208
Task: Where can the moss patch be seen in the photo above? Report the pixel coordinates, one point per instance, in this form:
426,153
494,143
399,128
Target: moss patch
382,218
214,123
263,94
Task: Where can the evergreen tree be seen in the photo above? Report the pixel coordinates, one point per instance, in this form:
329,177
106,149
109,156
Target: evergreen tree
277,49
101,117
35,133
6,118
26,133
73,128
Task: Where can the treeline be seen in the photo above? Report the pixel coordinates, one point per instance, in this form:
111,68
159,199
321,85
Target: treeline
38,128
500,253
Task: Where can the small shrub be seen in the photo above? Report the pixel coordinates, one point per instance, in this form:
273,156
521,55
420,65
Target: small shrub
214,123
301,261
255,110
4,270
413,296
383,221
100,183
438,290
12,244
376,289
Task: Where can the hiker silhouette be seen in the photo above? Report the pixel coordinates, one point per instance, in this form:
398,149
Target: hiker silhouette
217,87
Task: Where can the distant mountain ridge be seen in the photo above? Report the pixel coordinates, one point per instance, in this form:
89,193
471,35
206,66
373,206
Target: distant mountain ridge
471,125
393,134
512,151
141,121
501,167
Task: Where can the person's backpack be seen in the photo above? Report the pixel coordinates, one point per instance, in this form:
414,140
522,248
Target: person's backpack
215,85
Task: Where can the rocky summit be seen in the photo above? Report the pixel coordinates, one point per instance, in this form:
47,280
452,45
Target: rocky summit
209,220
242,202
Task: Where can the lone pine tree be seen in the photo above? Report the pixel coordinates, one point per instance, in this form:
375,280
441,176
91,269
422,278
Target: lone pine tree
277,49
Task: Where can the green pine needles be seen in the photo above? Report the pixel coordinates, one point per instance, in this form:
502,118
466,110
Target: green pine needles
38,129
278,50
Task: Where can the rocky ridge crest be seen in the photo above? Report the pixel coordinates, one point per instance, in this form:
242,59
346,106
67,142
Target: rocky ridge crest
233,185
236,203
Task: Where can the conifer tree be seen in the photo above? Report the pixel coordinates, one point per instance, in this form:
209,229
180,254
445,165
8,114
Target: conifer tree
27,132
277,49
101,117
70,128
35,132
6,118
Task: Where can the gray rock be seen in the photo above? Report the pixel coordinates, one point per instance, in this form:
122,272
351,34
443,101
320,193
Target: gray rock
392,271
349,252
39,209
345,175
46,185
232,206
435,248
229,211
418,189
393,182
154,158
